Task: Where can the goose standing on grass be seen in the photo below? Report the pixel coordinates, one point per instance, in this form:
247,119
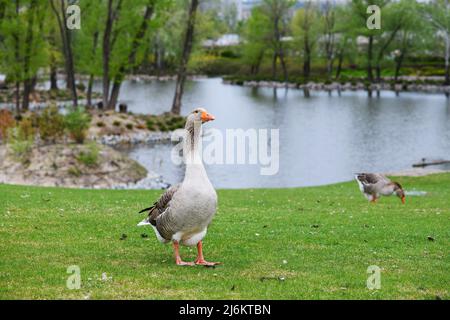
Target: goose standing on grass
184,211
373,185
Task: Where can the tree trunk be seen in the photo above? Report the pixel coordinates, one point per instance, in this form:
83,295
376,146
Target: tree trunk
53,77
307,66
398,65
53,63
91,76
258,62
283,65
27,85
67,50
89,90
26,94
369,59
382,50
108,45
106,51
187,47
307,62
339,66
17,93
447,58
329,67
17,54
115,90
378,72
125,67
69,57
274,65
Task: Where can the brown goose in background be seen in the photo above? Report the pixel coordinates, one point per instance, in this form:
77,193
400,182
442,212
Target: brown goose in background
184,211
373,185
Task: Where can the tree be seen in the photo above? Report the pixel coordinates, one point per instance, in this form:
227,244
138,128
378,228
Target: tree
112,16
187,47
345,44
257,37
87,47
60,14
306,28
125,65
277,12
329,33
24,47
412,35
54,54
438,13
393,22
359,21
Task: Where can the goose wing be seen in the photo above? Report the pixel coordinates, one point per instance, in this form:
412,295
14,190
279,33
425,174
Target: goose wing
160,206
368,181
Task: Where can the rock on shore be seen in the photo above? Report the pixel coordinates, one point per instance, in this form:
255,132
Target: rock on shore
73,165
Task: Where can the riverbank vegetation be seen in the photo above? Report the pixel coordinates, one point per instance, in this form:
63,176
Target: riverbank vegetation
46,147
302,243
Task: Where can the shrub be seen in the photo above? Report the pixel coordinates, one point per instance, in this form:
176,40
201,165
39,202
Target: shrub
19,144
77,123
150,124
90,156
26,129
116,123
100,124
74,171
129,126
51,124
6,122
80,86
163,127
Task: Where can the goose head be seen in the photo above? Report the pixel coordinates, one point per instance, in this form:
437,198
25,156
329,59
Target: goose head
398,190
199,115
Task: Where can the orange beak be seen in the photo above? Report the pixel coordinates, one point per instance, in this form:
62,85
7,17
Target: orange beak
403,200
207,117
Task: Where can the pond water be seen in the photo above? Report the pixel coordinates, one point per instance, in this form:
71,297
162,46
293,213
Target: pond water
323,139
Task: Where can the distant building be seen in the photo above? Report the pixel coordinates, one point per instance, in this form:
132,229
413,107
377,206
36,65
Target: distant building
225,40
2,81
244,7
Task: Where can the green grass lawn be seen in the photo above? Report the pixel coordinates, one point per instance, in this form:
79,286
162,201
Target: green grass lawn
303,243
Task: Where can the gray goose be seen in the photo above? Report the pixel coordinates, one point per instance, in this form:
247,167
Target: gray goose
182,214
374,185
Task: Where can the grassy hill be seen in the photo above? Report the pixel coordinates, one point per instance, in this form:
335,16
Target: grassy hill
303,243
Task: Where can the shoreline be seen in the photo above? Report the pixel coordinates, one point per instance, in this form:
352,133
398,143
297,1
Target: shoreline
347,86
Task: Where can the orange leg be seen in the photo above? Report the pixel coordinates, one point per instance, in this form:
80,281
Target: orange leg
200,260
178,260
374,199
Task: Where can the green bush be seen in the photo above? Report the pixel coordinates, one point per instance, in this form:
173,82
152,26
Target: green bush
74,171
27,129
89,157
150,124
129,126
51,124
117,123
20,144
77,123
